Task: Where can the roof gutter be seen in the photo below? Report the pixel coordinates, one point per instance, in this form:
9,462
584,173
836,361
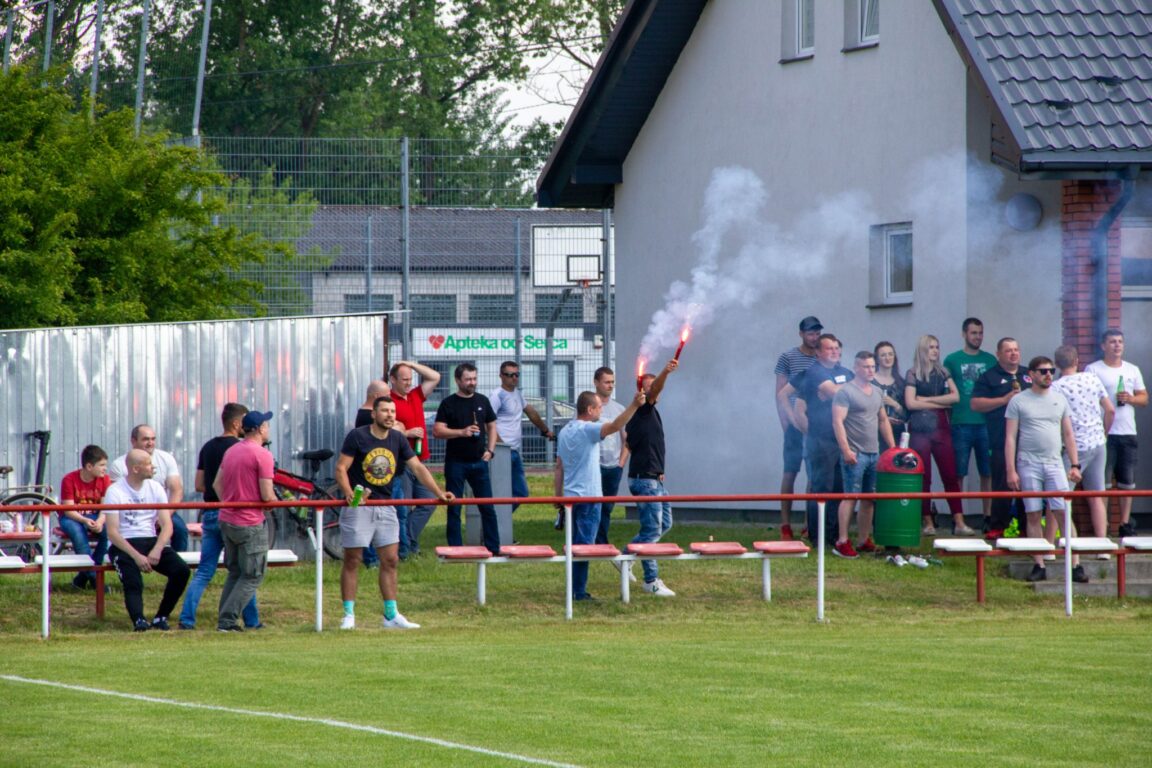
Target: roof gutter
1100,256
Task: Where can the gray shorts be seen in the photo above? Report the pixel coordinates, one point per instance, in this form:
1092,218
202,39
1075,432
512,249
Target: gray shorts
369,526
1091,467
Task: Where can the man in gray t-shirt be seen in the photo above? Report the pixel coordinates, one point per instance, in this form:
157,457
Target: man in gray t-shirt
858,419
1037,422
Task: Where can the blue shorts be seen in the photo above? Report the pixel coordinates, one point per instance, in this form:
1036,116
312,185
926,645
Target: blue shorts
967,438
793,450
861,476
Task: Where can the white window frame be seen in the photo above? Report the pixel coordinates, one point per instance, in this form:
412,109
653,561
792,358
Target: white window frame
865,7
1129,223
805,12
855,17
792,47
881,267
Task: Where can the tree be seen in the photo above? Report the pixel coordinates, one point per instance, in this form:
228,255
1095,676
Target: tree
98,226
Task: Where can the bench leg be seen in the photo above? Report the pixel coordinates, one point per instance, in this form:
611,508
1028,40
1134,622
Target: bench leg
766,574
980,579
625,587
99,594
481,583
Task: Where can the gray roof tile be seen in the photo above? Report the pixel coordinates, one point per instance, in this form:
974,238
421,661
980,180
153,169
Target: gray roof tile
1041,52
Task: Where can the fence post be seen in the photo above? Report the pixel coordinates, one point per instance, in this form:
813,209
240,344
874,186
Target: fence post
9,27
200,70
95,60
141,62
405,251
606,283
49,24
518,297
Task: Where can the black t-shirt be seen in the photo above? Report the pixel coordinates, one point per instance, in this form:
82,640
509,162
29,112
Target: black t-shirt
459,412
375,461
997,382
646,442
211,454
807,386
364,417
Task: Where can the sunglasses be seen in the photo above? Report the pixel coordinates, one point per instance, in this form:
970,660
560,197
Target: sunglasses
515,375
1045,371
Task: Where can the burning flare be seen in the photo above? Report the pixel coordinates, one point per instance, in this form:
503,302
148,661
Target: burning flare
683,338
639,374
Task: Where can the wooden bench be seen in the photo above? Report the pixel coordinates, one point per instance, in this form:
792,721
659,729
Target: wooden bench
277,558
764,551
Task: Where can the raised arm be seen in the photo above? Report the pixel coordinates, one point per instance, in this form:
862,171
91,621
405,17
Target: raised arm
429,377
621,421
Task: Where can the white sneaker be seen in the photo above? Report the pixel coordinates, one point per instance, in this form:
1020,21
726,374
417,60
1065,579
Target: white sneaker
348,622
618,565
1104,556
917,561
897,560
400,623
1049,558
657,588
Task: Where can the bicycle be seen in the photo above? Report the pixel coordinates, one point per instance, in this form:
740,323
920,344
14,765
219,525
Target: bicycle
292,487
13,525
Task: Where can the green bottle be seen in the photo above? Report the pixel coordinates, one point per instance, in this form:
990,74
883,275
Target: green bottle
1119,389
357,495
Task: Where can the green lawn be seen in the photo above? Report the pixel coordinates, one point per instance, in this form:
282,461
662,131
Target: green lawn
907,670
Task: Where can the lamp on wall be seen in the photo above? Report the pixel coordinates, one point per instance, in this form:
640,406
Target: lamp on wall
1023,212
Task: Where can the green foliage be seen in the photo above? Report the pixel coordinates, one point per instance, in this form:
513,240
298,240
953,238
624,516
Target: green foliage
98,226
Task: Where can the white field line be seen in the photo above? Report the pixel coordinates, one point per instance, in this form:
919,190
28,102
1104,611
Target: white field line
291,718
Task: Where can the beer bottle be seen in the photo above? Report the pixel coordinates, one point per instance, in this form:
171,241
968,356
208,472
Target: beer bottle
1119,389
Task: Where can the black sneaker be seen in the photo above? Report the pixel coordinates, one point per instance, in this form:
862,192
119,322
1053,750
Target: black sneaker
559,524
1038,573
80,583
1079,576
233,628
1127,529
161,623
187,627
141,625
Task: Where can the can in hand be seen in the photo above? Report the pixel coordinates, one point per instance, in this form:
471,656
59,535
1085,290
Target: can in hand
357,495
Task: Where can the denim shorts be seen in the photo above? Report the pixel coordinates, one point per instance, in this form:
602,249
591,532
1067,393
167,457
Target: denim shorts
1042,477
793,450
1122,460
969,438
861,476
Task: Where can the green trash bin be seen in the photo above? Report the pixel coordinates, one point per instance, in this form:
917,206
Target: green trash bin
897,521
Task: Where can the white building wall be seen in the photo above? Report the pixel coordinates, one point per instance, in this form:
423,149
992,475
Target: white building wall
888,124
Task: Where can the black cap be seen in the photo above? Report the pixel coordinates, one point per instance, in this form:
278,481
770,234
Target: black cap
811,323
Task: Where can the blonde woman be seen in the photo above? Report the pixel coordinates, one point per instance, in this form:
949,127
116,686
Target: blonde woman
928,395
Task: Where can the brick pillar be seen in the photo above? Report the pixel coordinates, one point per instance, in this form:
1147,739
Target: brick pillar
1082,205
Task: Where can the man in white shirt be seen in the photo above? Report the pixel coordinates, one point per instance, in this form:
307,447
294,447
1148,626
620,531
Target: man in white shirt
137,547
508,402
1125,387
143,438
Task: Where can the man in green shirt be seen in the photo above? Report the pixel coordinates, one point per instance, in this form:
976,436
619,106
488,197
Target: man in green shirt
969,431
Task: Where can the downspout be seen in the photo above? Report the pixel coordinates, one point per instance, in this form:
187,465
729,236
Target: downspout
1100,257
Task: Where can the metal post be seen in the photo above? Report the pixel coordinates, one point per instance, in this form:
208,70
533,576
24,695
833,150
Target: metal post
9,28
405,251
368,265
49,24
518,298
549,333
95,60
567,561
317,536
200,70
1068,557
141,62
606,293
45,574
820,561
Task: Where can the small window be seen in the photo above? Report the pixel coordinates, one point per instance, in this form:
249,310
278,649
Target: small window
433,309
798,25
358,302
1136,257
869,21
890,264
861,24
499,309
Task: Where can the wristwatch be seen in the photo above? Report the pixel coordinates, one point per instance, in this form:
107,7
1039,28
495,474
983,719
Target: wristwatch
1074,466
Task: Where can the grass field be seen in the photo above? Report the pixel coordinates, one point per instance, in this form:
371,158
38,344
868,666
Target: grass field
907,670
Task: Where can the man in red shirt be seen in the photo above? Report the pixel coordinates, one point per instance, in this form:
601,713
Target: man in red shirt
245,476
86,486
409,401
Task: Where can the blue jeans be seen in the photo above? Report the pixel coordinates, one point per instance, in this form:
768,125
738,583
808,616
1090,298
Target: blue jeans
655,518
610,485
179,541
519,481
78,535
823,459
967,438
211,545
401,516
418,516
475,473
585,522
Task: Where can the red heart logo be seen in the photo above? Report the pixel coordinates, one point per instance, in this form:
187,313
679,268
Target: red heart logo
436,341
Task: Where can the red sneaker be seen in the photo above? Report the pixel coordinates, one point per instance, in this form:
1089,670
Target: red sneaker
786,533
993,534
844,549
867,545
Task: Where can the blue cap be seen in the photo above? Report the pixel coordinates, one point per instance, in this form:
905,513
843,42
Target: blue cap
253,420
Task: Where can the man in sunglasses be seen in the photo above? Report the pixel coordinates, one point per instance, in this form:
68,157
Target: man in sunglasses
1037,423
508,402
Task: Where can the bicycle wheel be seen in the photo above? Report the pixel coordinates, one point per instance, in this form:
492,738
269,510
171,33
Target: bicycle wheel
332,546
272,526
25,550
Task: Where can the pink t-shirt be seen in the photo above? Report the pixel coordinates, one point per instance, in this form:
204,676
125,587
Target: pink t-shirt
244,465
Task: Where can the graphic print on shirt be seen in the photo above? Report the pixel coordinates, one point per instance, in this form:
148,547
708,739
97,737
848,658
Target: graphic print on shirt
379,466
